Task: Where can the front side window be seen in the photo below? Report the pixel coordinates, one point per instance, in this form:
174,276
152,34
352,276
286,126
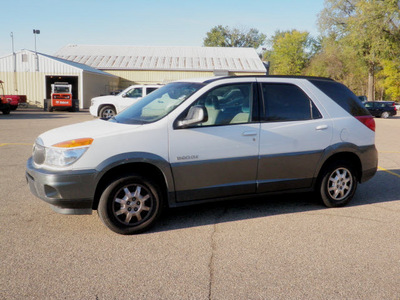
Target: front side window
369,105
134,93
158,104
228,104
287,102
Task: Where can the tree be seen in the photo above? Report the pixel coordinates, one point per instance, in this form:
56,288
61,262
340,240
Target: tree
370,27
339,62
290,53
220,36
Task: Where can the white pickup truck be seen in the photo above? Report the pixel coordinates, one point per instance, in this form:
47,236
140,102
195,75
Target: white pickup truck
106,107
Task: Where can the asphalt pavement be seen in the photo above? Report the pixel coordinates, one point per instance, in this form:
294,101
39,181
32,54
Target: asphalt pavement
277,247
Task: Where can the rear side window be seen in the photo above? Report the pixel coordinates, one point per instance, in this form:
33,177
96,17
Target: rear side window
342,96
287,102
149,90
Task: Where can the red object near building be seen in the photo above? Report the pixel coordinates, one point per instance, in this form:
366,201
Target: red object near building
61,98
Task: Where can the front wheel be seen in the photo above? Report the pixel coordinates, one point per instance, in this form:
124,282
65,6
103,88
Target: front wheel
107,112
338,184
130,204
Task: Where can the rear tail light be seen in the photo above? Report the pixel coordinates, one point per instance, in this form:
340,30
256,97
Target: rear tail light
367,121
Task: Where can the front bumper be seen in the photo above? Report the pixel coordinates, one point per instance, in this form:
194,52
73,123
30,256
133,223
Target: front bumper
68,192
93,109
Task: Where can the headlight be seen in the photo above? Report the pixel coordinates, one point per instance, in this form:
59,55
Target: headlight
60,154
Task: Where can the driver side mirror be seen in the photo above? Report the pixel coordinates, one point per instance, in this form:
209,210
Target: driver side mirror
197,114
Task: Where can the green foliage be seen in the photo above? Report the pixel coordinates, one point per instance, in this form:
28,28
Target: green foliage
338,61
289,54
220,36
391,81
367,33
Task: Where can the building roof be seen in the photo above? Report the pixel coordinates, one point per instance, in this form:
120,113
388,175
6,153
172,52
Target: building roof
164,58
46,62
77,65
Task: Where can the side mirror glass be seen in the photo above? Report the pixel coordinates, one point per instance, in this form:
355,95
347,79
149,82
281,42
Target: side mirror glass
197,114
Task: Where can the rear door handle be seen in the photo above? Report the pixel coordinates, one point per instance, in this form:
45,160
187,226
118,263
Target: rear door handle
249,133
321,127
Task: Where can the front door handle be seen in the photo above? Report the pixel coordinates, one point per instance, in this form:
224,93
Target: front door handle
249,133
321,127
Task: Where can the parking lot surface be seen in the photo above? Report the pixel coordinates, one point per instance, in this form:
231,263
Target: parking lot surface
277,247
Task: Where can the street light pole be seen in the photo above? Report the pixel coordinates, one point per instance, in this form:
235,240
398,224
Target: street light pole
35,32
14,62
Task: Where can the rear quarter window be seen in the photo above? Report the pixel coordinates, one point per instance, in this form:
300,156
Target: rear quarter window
342,96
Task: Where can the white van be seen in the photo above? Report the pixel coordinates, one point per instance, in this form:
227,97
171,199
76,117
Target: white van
106,107
196,141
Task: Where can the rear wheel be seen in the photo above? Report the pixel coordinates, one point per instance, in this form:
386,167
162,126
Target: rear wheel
130,204
385,115
6,111
338,184
107,112
48,106
75,105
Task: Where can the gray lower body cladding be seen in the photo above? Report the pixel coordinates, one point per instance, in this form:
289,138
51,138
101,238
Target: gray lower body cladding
72,192
68,192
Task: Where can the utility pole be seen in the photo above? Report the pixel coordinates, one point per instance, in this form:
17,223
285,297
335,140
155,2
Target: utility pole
35,32
14,62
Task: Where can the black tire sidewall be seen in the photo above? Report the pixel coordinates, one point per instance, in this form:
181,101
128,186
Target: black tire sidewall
105,209
323,186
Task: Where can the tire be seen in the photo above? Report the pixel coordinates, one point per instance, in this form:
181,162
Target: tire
6,111
338,184
385,115
75,106
13,107
49,107
107,112
130,204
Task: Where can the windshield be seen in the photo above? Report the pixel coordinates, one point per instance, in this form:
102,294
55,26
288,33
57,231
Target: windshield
158,104
61,89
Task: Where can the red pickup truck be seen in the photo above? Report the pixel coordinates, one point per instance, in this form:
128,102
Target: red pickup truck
15,100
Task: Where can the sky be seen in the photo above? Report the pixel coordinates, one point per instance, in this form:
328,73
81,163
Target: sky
145,22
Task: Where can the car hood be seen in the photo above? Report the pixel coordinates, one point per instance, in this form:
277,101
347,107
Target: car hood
90,129
104,98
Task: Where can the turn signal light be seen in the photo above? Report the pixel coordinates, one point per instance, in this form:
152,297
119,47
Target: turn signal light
74,143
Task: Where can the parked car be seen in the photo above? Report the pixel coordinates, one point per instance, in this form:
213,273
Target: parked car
383,109
108,106
363,98
205,140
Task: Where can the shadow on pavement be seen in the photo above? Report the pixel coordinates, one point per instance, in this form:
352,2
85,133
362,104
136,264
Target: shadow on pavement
36,113
382,188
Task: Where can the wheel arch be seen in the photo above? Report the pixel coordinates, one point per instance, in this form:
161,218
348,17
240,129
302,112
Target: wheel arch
149,170
348,156
101,106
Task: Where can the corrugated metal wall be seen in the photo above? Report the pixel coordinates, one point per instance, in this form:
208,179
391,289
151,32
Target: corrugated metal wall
27,80
32,83
97,85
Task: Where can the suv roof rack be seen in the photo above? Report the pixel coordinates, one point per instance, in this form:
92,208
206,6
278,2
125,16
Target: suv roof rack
271,76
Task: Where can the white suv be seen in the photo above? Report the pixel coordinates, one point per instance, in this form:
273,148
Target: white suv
206,140
106,107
